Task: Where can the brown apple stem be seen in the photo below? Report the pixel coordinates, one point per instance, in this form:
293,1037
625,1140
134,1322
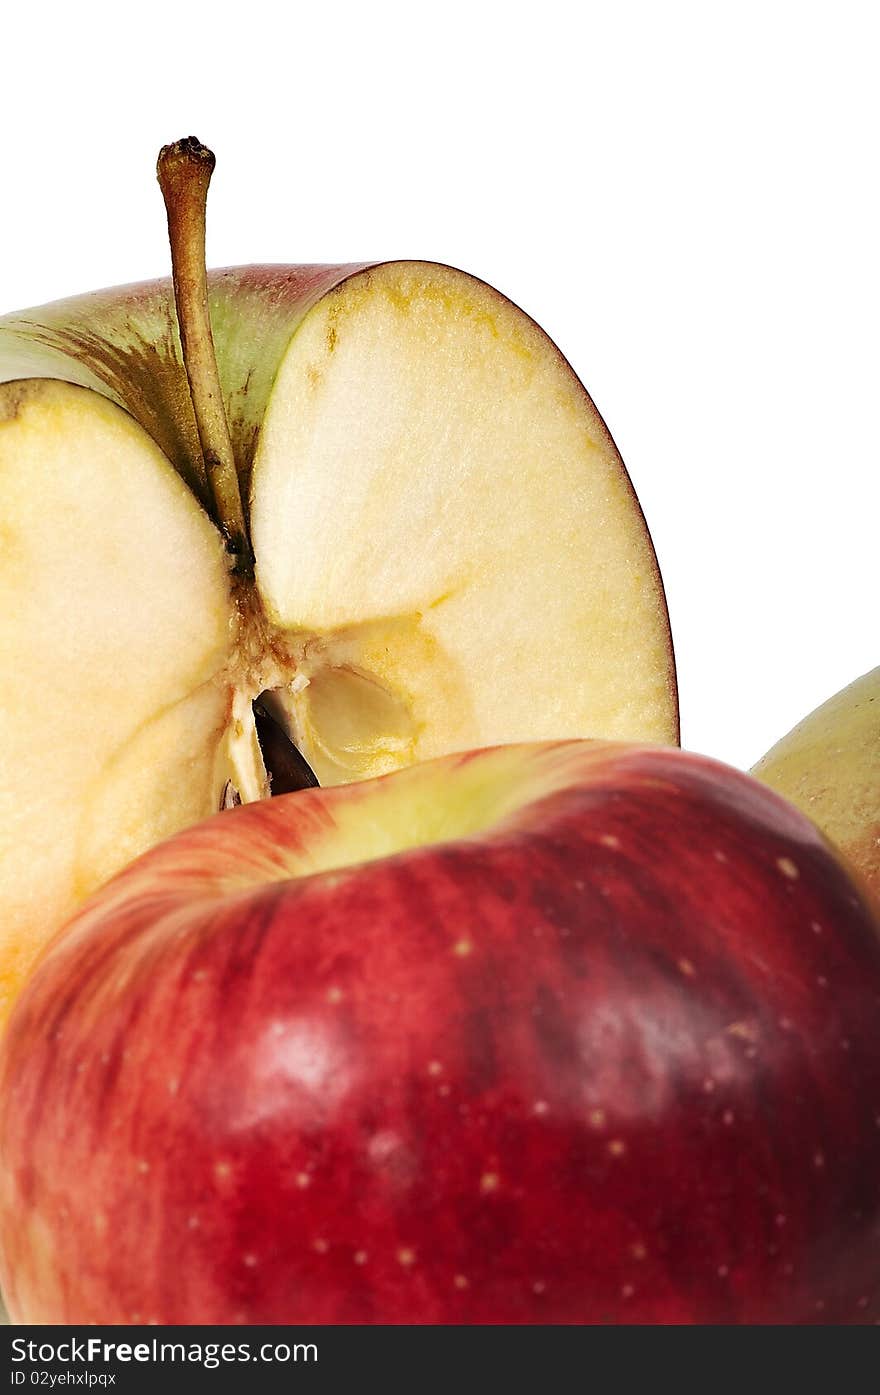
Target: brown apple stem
184,170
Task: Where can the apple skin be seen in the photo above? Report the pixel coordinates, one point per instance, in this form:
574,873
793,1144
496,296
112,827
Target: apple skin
124,342
613,1060
829,766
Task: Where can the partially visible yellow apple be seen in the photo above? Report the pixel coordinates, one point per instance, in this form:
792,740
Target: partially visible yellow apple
829,766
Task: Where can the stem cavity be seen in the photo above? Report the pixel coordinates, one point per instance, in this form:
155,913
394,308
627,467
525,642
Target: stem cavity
184,171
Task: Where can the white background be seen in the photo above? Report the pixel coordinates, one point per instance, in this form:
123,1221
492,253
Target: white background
684,195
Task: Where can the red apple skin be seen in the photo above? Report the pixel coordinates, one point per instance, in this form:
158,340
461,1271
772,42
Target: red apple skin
615,1062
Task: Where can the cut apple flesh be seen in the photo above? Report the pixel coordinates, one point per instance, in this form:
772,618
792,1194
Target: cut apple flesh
446,536
448,551
114,643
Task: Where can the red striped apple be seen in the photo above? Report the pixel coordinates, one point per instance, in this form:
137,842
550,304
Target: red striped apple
387,511
570,1033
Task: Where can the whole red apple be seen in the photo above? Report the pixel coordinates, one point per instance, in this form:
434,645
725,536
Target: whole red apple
546,1034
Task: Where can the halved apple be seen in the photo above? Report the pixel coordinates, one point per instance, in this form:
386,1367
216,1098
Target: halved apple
446,553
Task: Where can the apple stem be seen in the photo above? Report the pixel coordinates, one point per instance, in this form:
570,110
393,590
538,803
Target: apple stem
184,171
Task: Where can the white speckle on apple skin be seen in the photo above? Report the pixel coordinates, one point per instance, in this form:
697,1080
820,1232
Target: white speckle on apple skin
788,868
360,1257
461,1281
686,967
617,1147
745,1031
489,1182
406,1257
382,1145
608,840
